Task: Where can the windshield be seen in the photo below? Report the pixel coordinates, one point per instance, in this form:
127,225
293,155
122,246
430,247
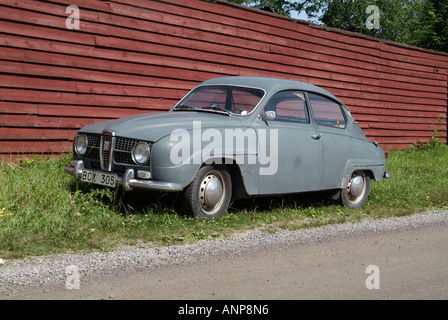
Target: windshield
225,99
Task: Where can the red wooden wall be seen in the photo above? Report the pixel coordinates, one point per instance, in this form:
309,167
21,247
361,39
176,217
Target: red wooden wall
134,56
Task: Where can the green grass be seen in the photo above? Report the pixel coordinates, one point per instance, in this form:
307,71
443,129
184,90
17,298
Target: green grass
43,210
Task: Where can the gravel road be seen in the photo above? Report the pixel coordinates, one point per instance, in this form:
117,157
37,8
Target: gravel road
46,277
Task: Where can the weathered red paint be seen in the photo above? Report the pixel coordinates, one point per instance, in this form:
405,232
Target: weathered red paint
132,56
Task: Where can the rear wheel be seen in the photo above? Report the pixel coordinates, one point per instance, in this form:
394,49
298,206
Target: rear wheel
355,194
209,194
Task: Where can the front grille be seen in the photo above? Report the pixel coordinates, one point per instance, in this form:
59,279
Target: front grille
106,152
110,152
123,150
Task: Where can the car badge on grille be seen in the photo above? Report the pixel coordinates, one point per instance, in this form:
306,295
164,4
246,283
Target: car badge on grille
106,146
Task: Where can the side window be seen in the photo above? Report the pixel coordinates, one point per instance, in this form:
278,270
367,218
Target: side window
326,112
245,100
289,106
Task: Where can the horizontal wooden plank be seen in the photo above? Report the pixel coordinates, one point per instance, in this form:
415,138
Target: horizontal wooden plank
8,107
33,17
17,108
65,98
14,67
62,60
33,121
10,134
56,9
351,100
361,61
69,111
84,4
88,111
400,126
388,118
396,117
71,49
42,83
417,134
64,35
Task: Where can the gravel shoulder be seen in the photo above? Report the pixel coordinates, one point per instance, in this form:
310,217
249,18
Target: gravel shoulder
31,277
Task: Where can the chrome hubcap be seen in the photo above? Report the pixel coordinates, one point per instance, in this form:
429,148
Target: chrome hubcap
211,192
356,187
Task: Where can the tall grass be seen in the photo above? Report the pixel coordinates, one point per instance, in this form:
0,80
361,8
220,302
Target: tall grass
44,211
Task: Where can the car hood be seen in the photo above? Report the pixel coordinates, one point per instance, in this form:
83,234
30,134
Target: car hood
154,126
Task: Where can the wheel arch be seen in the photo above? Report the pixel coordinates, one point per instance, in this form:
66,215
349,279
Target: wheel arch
238,185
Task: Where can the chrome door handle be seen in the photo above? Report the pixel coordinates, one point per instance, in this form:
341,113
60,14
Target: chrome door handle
316,136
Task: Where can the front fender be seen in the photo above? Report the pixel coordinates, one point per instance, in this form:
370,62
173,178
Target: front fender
163,168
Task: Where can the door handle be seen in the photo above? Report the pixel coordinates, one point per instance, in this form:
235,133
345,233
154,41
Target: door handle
316,136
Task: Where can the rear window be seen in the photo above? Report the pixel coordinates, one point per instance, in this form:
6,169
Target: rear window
326,112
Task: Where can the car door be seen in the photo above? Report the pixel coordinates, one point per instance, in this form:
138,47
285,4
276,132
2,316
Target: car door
331,123
299,148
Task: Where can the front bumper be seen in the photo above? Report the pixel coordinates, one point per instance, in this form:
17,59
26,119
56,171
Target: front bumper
128,181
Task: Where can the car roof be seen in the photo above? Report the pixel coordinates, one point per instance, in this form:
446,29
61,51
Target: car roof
269,85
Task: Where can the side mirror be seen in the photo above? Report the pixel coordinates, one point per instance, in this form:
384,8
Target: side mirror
269,115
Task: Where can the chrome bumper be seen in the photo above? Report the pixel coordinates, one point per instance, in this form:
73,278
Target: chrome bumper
128,181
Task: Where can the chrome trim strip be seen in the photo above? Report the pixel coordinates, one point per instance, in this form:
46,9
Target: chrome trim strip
368,165
111,153
109,133
101,153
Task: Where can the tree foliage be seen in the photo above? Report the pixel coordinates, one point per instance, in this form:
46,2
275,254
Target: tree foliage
422,23
432,31
415,22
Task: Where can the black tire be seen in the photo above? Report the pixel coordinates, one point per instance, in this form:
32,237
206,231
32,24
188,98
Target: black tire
209,194
355,194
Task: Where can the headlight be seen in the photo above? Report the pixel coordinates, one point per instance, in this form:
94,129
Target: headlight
141,153
81,144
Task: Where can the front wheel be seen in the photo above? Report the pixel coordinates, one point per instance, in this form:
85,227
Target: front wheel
209,194
355,194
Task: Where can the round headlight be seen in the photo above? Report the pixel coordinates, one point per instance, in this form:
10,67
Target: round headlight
141,153
81,144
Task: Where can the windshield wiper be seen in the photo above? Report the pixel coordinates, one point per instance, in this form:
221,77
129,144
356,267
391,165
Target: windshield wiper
213,107
184,107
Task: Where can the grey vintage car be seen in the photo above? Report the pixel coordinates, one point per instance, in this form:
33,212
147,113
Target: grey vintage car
235,137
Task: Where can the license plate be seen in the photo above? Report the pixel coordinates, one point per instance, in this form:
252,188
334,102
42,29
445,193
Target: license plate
101,178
